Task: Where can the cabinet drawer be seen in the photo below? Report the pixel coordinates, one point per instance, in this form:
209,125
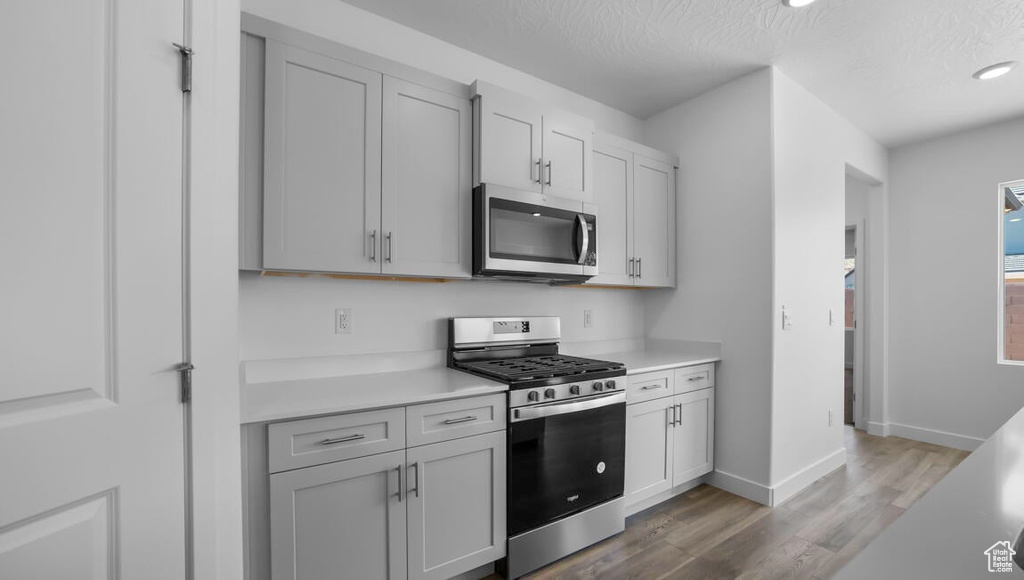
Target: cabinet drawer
647,386
446,420
695,378
315,441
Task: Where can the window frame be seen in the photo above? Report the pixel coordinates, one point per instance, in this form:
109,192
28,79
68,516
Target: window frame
1001,271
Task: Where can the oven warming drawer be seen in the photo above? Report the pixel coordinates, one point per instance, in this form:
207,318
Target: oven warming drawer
539,547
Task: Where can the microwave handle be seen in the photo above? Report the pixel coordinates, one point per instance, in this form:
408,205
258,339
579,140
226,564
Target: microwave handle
582,238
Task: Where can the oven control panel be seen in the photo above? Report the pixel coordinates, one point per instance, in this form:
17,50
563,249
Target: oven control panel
564,392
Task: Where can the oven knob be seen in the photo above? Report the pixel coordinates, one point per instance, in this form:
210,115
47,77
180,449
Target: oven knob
575,389
532,396
598,386
609,384
549,393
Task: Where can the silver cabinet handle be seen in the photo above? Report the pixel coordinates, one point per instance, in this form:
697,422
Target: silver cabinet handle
465,419
696,378
399,493
388,257
345,439
679,420
629,268
639,269
672,422
650,387
548,165
373,246
537,165
415,489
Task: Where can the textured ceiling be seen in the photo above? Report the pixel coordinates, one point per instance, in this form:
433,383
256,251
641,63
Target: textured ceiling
899,69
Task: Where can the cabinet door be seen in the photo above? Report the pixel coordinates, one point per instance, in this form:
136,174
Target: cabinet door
648,449
694,434
613,194
654,219
509,140
341,520
426,185
568,156
322,156
456,505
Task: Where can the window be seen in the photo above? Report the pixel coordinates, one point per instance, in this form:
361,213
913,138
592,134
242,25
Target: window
1012,275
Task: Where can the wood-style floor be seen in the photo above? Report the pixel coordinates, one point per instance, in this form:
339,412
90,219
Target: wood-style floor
709,533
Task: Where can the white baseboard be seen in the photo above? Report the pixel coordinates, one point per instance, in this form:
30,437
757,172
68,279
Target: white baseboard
742,487
795,483
935,437
665,495
878,429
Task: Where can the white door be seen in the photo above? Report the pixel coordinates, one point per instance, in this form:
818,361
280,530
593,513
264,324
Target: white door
91,423
322,163
427,182
567,149
510,141
613,194
654,218
456,506
694,434
339,521
648,449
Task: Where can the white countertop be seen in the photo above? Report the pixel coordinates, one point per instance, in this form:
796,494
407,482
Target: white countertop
290,399
662,355
946,533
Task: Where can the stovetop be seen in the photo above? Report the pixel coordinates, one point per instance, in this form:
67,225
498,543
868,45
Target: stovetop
533,371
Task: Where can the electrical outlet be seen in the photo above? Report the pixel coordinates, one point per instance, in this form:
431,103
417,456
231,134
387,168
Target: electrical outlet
588,318
830,417
343,321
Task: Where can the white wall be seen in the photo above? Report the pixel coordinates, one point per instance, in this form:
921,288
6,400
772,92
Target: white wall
346,24
284,317
812,147
723,141
946,385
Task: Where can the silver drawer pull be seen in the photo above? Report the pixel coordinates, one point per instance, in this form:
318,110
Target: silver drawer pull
650,387
696,378
465,419
346,439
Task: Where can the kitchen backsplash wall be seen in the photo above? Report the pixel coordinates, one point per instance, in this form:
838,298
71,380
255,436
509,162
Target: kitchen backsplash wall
287,317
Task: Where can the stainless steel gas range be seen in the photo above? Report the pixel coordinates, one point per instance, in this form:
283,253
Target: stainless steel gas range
566,435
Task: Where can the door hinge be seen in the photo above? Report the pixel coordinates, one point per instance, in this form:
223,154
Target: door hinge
186,381
186,53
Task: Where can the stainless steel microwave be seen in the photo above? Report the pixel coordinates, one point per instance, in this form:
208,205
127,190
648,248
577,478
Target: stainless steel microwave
529,236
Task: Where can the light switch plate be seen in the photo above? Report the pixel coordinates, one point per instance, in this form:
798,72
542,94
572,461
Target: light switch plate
787,319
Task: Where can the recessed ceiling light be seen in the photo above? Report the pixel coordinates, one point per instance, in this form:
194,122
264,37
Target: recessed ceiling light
995,71
796,3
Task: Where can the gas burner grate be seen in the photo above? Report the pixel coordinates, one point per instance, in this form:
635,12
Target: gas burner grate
538,367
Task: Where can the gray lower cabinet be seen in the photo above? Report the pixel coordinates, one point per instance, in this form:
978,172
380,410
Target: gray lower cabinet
427,512
456,508
339,520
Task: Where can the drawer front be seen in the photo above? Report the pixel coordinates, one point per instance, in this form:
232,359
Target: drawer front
316,441
648,386
695,378
446,420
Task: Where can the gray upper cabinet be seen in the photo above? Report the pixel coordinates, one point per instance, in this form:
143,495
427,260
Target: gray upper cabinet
654,218
341,520
322,163
456,506
636,197
426,203
522,144
613,192
350,163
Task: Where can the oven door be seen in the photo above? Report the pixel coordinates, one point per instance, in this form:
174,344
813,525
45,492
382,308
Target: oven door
564,458
528,234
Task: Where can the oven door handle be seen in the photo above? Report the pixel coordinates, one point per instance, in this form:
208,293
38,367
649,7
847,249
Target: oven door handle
582,239
550,409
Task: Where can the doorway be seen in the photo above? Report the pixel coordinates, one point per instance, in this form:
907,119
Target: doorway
850,314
